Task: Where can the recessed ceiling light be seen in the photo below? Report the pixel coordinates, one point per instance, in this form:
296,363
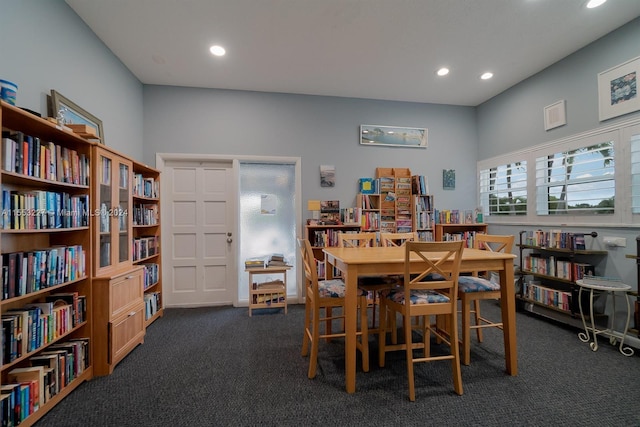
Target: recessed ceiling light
595,3
443,71
486,76
217,50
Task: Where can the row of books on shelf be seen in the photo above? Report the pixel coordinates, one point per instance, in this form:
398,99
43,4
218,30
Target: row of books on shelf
350,215
424,220
151,274
28,155
146,214
328,238
40,209
31,271
145,186
36,324
28,388
534,291
468,237
370,221
151,304
455,216
555,239
419,184
561,268
145,247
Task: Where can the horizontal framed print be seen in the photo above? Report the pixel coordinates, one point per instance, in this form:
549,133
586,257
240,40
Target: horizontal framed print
69,113
618,90
393,136
555,115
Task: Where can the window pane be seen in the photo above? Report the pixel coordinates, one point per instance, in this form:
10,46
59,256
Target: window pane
503,189
579,181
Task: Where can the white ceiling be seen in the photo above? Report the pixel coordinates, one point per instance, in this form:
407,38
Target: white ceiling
377,49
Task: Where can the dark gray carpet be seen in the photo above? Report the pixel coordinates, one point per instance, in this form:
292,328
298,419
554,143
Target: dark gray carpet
218,367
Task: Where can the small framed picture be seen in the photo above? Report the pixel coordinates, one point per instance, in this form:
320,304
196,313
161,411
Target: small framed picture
448,179
618,89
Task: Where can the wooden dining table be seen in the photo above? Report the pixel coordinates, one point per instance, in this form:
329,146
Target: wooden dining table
354,262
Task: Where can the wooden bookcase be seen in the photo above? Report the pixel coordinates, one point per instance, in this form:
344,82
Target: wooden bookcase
369,205
422,207
146,236
553,269
322,236
118,308
395,199
45,230
464,232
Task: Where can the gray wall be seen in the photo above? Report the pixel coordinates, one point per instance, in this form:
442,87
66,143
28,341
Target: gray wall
514,120
320,130
59,52
44,45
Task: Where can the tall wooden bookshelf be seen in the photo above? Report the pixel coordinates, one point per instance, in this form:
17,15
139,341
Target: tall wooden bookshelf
46,256
118,306
146,236
395,199
422,207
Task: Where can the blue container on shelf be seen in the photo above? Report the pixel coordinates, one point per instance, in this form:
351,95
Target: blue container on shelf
8,91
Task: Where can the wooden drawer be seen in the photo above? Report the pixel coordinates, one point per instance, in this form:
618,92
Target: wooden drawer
125,333
124,292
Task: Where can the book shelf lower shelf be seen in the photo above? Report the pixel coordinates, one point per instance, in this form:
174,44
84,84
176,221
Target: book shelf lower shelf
558,315
86,375
158,314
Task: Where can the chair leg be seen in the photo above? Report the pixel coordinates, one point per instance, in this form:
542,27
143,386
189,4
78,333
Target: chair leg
374,295
364,338
315,342
466,331
476,308
307,327
382,337
455,352
408,331
328,326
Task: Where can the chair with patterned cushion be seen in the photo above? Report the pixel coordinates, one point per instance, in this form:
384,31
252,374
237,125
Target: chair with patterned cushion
322,295
473,289
431,292
372,284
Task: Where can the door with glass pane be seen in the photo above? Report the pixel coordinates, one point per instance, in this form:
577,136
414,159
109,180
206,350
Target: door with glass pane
267,218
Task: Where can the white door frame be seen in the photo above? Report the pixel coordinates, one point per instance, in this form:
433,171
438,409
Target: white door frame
163,158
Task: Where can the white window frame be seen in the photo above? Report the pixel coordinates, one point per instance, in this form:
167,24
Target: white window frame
620,133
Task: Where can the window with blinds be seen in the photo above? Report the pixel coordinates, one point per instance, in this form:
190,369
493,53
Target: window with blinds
503,189
577,181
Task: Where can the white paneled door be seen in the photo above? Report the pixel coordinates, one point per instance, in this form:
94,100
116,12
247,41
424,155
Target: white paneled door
199,199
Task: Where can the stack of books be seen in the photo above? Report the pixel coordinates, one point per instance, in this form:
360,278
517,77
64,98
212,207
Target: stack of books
254,263
277,260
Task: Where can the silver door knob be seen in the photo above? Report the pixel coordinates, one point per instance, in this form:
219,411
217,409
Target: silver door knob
229,240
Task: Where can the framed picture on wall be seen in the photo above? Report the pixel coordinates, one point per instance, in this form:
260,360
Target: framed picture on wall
69,113
618,90
391,136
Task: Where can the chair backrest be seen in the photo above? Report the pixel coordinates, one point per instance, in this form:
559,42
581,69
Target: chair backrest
441,269
397,239
494,242
309,264
357,240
